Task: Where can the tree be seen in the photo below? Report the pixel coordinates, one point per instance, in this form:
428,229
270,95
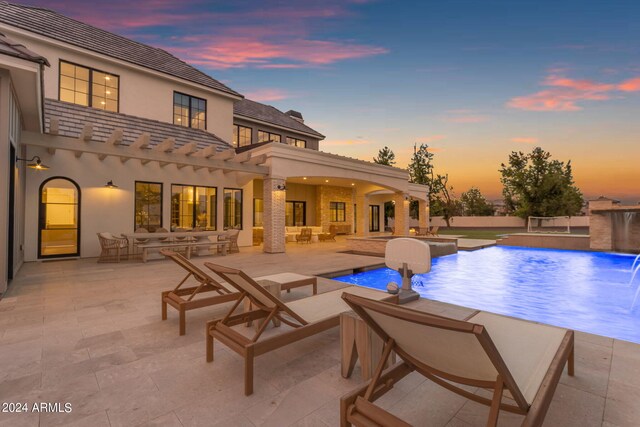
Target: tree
385,157
535,185
442,200
475,204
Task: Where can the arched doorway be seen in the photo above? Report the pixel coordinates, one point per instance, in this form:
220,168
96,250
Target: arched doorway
59,218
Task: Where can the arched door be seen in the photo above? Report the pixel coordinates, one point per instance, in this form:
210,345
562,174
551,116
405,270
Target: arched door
59,218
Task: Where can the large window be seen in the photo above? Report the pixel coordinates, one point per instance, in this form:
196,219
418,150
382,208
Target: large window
337,212
148,205
86,86
258,212
295,214
232,208
297,142
374,217
193,207
241,136
189,111
268,136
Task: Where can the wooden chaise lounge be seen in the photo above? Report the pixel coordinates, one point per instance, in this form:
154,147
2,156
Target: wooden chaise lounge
307,316
512,357
184,299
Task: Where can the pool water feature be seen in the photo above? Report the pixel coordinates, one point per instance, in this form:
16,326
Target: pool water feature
585,291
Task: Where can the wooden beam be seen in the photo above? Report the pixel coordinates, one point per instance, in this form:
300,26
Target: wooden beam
54,126
187,149
87,133
116,137
165,145
225,155
144,161
257,160
206,152
163,164
142,141
59,142
242,157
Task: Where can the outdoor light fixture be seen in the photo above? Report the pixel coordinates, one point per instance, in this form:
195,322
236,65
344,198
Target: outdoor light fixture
281,187
110,184
38,165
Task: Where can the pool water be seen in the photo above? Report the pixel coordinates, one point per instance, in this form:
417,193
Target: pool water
585,291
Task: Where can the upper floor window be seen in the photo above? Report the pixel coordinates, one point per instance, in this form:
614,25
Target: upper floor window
86,86
241,136
268,136
297,142
189,111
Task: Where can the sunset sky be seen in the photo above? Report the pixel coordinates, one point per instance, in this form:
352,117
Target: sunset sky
473,79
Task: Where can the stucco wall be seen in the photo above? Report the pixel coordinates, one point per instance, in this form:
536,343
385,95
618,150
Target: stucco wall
104,209
4,174
498,221
142,93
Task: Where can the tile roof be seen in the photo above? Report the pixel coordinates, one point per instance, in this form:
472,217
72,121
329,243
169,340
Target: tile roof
267,113
59,27
13,48
73,118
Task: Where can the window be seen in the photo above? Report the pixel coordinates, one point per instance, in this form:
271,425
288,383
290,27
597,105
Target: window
337,211
193,207
268,136
374,218
297,142
258,211
59,224
189,111
232,208
295,213
241,136
86,86
148,205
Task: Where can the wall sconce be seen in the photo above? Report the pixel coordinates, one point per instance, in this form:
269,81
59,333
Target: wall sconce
38,165
110,184
281,187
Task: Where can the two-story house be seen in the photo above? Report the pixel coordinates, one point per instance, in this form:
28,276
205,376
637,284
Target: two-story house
134,138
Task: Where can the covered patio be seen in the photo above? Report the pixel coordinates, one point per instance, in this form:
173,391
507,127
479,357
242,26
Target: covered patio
91,335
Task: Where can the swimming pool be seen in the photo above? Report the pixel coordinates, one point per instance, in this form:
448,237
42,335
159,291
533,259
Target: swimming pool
585,291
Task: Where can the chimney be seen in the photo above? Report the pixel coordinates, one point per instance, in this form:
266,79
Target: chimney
295,115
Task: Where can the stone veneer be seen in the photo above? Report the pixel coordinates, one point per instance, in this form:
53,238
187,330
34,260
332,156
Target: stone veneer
274,215
325,194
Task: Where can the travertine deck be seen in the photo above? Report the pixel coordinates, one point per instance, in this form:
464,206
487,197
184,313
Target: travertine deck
91,335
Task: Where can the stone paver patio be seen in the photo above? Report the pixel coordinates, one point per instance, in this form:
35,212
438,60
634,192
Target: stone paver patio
90,334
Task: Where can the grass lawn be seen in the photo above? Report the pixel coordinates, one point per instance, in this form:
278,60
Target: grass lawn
492,233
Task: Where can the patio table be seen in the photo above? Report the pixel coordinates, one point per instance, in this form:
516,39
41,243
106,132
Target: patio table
174,236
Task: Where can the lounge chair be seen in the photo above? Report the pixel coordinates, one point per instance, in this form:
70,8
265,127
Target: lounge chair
305,235
331,235
521,359
184,299
307,316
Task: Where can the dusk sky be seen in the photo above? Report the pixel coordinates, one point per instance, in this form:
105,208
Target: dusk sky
473,79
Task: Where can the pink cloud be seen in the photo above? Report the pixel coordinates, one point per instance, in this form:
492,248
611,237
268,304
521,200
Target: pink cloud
631,85
279,36
266,95
565,93
525,139
231,52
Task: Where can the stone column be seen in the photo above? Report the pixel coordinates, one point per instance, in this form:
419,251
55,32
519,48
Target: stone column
423,214
274,215
362,214
600,225
401,218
